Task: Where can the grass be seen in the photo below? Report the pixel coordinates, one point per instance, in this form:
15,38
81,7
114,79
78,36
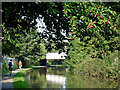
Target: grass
19,80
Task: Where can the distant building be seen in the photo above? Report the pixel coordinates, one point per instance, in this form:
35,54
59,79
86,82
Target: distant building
55,56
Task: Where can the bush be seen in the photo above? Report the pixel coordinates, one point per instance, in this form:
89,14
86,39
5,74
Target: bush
36,63
107,68
4,68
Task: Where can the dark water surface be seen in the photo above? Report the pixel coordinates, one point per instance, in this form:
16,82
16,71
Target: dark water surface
59,77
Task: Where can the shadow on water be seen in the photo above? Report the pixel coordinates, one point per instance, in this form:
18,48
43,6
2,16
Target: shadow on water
58,77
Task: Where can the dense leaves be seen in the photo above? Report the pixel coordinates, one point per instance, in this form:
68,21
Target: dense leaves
18,18
94,39
94,24
32,46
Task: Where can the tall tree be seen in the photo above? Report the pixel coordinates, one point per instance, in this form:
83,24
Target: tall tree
32,46
94,24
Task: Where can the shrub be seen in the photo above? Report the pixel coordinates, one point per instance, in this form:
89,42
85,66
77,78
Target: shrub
99,67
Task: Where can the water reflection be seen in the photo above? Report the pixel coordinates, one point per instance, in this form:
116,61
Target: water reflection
58,78
36,78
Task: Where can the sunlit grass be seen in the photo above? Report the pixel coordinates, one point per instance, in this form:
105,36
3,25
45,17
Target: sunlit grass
19,80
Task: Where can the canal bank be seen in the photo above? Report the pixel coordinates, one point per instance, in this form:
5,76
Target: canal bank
7,80
10,82
56,77
19,79
16,80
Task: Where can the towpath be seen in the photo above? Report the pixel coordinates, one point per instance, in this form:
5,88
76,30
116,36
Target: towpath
7,80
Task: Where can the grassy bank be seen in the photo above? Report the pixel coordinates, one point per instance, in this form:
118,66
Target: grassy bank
19,80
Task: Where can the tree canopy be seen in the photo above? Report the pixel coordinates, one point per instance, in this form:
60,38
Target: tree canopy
94,23
18,18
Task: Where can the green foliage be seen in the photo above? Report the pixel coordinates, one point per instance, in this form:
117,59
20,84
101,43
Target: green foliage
95,38
4,68
25,18
19,80
81,58
78,51
79,81
98,67
10,39
32,46
118,24
36,63
93,22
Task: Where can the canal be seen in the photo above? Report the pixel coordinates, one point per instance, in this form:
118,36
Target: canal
59,77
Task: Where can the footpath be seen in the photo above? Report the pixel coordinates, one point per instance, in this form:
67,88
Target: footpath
7,80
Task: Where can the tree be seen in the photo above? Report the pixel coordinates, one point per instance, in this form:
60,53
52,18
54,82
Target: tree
94,39
94,24
32,46
19,17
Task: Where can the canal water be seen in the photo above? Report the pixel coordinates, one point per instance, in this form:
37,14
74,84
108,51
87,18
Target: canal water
59,77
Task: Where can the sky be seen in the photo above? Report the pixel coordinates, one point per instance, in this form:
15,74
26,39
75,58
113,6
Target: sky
41,23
